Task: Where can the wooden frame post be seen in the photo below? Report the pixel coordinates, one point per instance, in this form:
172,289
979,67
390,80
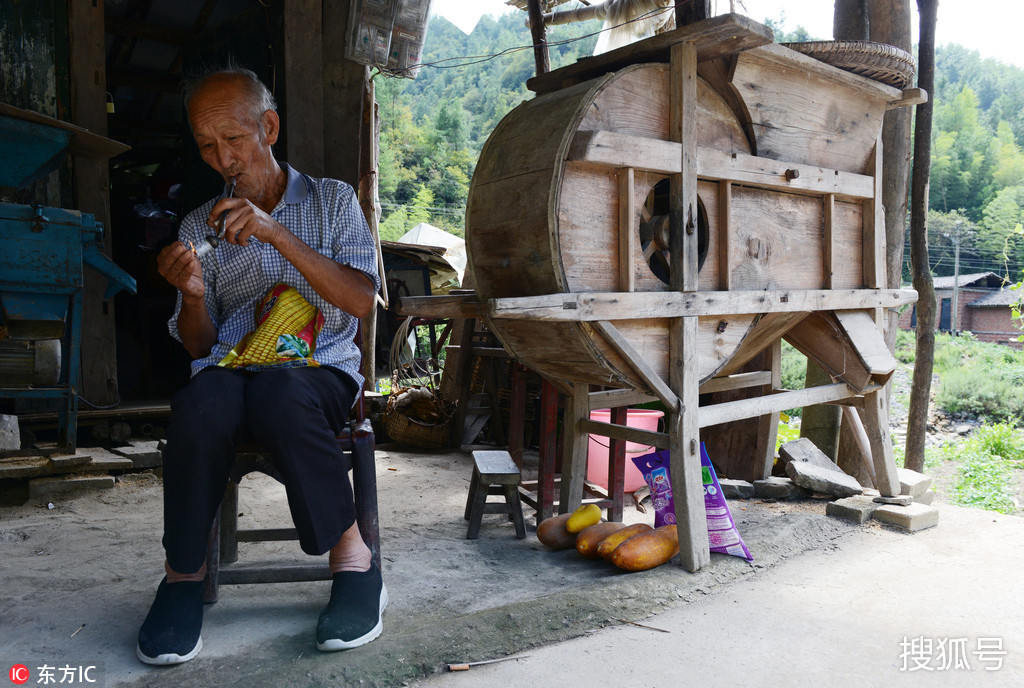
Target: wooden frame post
684,429
574,448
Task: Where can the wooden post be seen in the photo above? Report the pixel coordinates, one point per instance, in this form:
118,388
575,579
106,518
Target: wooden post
684,432
574,448
627,213
540,40
876,423
768,425
304,85
548,450
87,60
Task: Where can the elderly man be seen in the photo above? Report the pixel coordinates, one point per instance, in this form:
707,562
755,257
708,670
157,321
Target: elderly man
279,229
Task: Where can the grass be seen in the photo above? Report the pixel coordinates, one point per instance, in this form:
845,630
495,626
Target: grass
979,379
986,465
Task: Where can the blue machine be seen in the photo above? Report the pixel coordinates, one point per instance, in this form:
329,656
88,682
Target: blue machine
43,252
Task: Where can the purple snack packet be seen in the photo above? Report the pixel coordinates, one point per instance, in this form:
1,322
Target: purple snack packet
722,534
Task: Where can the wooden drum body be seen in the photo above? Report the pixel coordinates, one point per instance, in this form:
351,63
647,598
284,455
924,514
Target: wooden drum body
570,196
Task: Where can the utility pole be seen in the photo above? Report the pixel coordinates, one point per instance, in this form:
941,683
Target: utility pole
955,321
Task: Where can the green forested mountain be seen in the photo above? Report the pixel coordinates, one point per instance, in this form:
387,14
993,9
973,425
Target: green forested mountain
434,126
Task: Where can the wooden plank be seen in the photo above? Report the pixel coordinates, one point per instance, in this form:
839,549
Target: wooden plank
821,338
828,252
87,66
874,225
767,330
627,210
574,449
724,235
798,104
441,307
876,423
639,364
639,305
719,36
911,96
868,342
655,155
683,333
737,381
622,432
616,398
774,403
684,454
768,424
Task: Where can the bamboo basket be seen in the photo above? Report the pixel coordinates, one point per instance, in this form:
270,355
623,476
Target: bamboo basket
402,428
879,61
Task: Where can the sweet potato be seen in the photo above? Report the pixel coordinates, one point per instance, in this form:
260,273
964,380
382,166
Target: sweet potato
644,551
608,545
552,532
588,539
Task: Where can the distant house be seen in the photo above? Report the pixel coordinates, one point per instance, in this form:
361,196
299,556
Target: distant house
983,306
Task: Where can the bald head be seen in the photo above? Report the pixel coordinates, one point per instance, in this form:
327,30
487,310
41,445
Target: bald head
239,82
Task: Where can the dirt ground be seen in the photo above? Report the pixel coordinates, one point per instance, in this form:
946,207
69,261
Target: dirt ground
78,579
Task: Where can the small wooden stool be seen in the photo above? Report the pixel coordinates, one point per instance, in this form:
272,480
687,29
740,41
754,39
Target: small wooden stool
494,472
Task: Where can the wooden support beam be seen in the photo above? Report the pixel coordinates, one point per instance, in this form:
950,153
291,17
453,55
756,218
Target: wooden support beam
768,424
540,39
447,306
876,423
614,398
719,36
911,96
640,365
574,448
684,432
828,251
724,234
591,306
623,432
774,403
655,155
627,211
304,86
755,378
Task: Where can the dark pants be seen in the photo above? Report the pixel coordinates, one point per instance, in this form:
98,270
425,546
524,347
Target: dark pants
296,414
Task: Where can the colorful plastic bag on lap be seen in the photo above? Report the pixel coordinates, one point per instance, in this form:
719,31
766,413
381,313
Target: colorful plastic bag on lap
285,336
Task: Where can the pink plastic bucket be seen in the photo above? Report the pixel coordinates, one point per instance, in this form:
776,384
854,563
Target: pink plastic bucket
597,452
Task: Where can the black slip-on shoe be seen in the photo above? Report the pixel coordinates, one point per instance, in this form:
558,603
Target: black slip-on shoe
353,615
171,632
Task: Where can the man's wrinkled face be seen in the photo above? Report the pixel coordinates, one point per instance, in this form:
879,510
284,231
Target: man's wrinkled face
229,140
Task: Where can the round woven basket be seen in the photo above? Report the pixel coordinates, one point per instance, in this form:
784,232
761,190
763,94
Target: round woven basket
879,61
402,428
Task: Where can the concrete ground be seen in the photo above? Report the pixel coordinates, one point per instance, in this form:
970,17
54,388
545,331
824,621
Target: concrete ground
824,602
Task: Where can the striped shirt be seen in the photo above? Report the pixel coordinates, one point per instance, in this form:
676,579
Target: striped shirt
323,213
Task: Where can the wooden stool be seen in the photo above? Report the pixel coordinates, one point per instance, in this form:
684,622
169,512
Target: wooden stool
494,472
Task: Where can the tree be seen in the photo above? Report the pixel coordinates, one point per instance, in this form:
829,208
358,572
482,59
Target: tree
924,361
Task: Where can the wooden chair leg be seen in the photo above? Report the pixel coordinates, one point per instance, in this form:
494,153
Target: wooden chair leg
212,562
476,511
364,486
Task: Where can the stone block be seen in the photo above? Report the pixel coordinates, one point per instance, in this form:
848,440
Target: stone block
736,489
899,500
775,487
829,480
68,461
857,508
910,518
54,489
926,498
103,460
143,453
10,437
804,450
913,483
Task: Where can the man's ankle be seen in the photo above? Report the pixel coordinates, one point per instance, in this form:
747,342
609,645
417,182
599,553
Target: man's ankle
175,577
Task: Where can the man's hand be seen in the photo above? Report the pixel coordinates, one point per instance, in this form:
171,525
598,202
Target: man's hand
180,266
244,220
